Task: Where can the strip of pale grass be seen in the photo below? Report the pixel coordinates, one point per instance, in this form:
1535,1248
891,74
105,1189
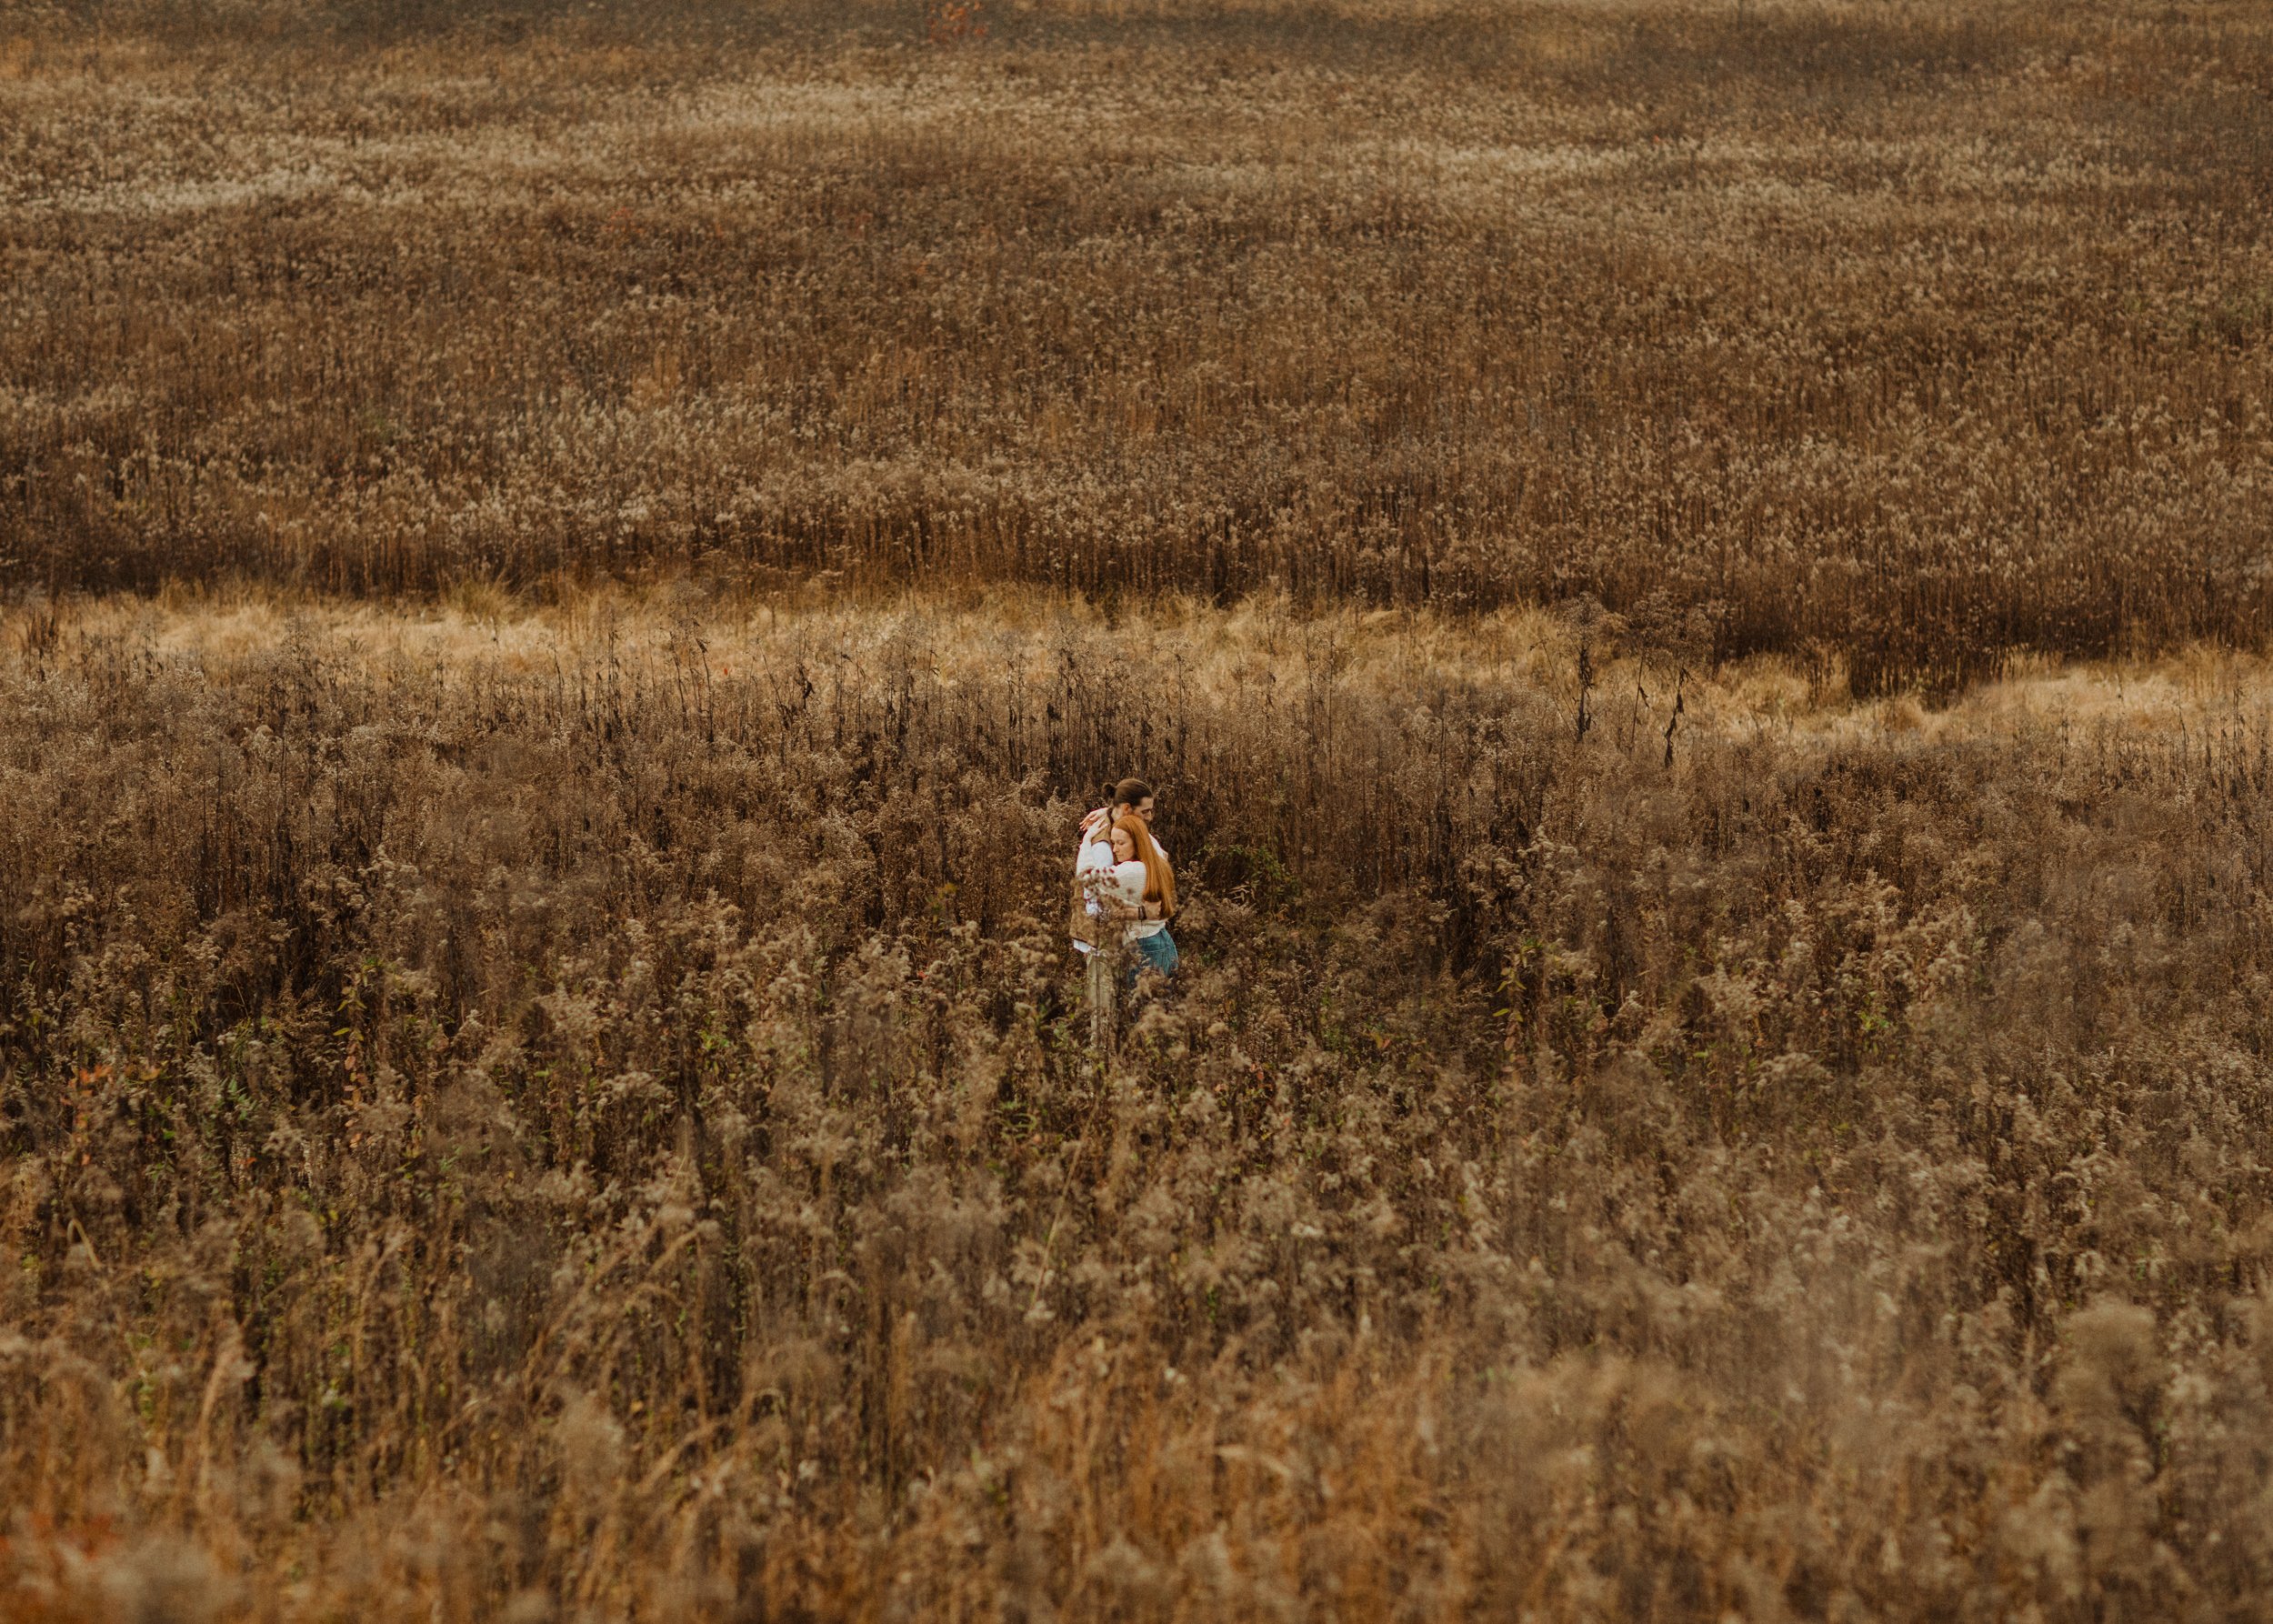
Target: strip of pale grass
975,635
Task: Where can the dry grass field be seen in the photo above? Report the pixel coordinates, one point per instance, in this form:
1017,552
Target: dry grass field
1694,579
1906,333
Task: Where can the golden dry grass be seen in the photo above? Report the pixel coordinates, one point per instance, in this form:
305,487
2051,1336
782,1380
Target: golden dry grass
1691,577
1912,334
582,1113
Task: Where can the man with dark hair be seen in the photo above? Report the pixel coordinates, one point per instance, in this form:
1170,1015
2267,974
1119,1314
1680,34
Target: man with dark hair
1130,795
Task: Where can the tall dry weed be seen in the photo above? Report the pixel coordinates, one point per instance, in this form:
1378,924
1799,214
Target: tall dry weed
572,1130
1915,337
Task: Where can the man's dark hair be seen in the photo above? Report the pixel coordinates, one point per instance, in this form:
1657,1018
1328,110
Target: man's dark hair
1128,792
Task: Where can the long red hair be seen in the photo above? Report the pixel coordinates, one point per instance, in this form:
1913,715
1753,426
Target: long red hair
1159,878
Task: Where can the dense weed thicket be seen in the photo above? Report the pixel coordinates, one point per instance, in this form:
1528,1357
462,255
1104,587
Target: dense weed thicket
585,1119
574,1107
1911,334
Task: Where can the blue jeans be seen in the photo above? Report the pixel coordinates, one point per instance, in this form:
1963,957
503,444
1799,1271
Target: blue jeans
1154,952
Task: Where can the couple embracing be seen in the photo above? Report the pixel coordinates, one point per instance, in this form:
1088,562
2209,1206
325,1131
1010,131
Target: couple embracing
1124,891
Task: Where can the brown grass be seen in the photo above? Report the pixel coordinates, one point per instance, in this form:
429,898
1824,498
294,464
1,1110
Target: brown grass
1690,576
1913,335
584,1116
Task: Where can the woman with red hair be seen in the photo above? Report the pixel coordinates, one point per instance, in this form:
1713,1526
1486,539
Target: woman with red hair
1147,933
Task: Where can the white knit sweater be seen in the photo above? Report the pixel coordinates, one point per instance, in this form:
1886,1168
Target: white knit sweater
1107,881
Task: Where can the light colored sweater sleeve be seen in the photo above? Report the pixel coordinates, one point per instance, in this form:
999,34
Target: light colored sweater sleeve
1128,880
1103,880
1093,868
